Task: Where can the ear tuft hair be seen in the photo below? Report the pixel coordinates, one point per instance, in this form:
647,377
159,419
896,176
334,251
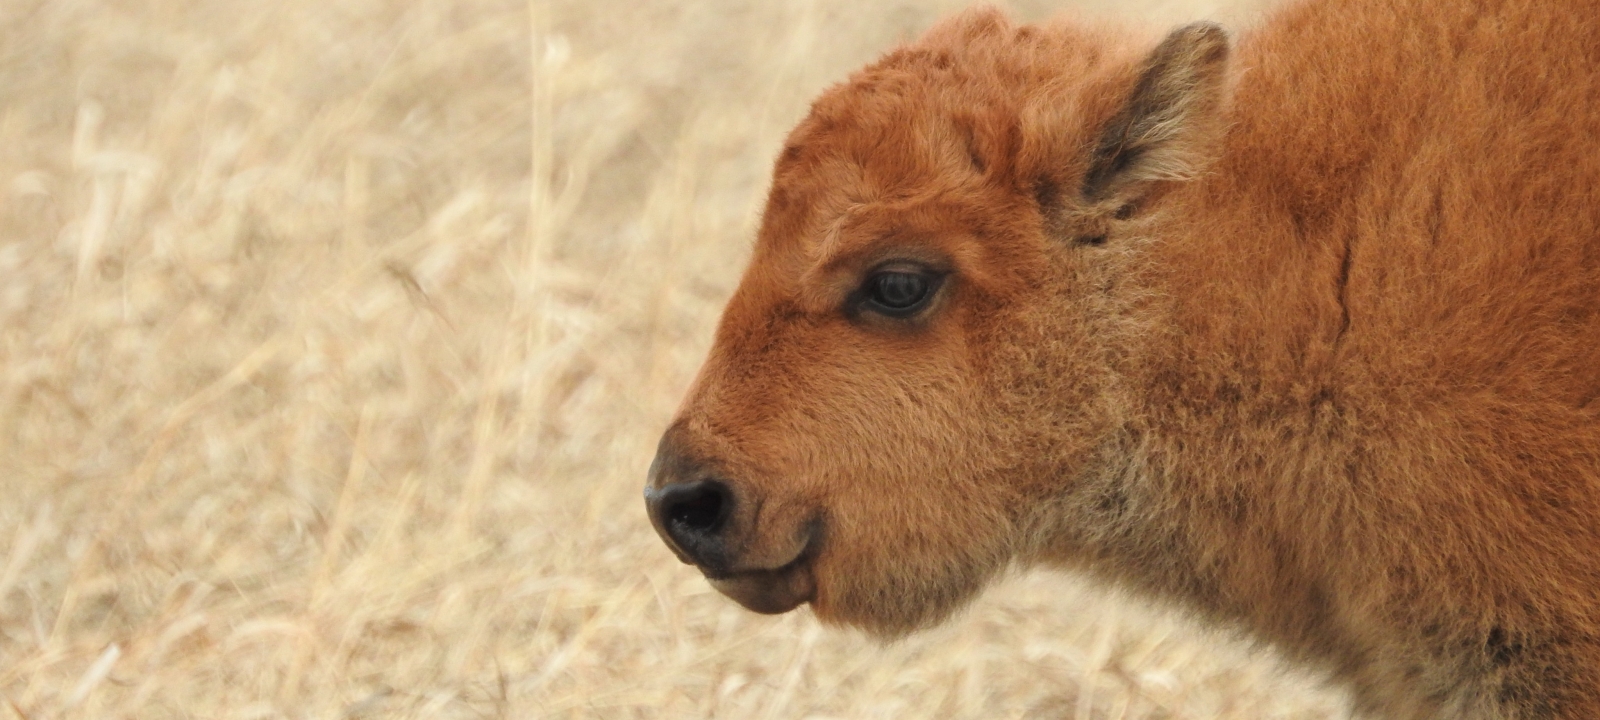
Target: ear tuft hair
1164,129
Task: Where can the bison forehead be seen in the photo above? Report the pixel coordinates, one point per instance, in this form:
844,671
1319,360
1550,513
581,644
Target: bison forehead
910,121
872,147
907,171
978,110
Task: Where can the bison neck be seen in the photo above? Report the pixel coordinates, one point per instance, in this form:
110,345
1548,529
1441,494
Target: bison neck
1355,432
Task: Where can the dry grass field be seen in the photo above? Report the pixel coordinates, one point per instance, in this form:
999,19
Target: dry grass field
335,336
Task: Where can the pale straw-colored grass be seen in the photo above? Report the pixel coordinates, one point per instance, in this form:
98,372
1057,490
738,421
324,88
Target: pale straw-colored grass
334,338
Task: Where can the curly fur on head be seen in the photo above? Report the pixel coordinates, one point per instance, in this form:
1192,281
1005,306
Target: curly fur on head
1301,332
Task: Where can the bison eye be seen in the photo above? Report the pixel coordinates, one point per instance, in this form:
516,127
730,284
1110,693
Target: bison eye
898,293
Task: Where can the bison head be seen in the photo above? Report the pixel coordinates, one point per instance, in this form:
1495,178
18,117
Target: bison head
918,376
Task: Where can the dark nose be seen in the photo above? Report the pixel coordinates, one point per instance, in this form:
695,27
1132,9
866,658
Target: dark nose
692,516
689,510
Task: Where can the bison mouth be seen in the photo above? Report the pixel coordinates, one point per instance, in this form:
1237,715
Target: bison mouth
773,591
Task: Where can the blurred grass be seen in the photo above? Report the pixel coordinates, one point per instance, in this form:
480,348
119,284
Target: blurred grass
334,340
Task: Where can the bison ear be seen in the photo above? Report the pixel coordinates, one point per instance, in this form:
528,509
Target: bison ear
1167,126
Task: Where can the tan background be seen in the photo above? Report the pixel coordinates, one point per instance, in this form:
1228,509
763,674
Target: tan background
334,338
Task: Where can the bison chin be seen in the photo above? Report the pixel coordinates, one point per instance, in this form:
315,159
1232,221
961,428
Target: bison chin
769,592
890,588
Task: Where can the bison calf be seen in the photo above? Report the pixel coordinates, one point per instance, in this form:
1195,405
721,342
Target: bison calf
1301,332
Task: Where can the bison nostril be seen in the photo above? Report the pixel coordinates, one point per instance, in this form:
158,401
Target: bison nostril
698,507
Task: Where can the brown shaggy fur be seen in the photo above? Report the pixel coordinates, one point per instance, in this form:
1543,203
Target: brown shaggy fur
1301,331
